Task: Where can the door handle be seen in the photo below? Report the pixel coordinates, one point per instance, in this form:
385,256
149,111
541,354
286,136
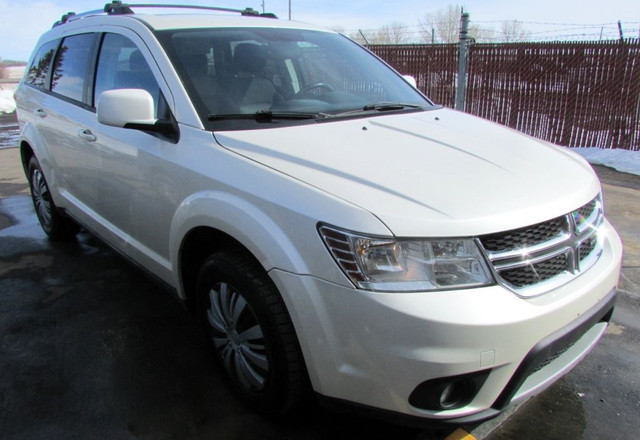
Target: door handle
87,135
40,112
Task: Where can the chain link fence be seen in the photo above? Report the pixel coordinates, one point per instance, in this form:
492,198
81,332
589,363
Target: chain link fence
582,94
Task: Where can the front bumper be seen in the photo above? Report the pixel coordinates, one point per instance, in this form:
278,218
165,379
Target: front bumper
374,349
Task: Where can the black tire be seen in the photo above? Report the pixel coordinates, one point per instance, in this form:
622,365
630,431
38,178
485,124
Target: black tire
54,224
251,334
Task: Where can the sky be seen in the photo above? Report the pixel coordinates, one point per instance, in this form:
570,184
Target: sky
23,21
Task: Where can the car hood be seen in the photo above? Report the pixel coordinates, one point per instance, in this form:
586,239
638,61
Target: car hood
432,173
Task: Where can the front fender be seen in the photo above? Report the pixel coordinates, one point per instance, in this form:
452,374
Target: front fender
243,221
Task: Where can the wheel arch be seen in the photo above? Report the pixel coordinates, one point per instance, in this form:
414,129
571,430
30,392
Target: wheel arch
26,153
198,244
209,221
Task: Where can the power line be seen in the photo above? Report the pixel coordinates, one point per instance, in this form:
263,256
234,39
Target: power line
555,24
421,32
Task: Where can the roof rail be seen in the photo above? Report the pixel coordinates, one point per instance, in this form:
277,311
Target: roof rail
116,7
71,16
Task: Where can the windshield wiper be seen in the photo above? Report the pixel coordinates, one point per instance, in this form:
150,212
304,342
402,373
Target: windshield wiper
268,115
377,107
264,116
386,106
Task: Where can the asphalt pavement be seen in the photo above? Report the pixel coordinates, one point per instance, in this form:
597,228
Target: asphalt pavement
91,348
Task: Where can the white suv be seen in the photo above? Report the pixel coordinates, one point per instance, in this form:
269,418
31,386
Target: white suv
335,231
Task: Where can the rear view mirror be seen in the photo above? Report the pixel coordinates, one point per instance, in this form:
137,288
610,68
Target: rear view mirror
122,107
411,80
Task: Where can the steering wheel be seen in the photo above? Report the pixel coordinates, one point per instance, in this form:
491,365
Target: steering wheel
319,86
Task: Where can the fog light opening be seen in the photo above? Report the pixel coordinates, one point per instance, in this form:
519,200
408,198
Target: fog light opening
456,394
447,393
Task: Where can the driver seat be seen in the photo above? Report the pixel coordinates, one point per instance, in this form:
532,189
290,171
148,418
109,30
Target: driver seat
252,91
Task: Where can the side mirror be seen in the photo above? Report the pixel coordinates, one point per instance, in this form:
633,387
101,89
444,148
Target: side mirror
411,80
122,107
134,109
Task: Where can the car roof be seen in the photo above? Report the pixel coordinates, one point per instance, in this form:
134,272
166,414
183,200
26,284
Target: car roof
207,20
197,17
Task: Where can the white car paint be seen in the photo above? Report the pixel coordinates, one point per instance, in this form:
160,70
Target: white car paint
436,173
440,171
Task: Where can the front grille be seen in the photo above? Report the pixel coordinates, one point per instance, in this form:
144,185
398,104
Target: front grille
540,257
586,211
537,272
525,237
587,247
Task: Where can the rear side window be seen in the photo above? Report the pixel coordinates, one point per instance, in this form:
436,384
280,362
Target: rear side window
71,66
38,73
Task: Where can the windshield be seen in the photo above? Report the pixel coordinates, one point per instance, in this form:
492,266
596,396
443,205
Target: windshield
241,78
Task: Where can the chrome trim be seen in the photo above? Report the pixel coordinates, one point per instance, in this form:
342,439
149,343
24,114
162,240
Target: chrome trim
576,231
553,252
538,248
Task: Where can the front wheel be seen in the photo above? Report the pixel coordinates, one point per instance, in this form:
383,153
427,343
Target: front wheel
54,224
251,333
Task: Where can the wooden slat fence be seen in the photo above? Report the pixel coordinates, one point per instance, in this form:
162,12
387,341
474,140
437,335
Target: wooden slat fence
581,94
435,67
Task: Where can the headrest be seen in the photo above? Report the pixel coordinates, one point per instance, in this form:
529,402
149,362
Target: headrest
195,63
137,63
249,57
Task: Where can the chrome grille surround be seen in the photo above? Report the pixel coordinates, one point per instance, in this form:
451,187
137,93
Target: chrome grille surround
535,259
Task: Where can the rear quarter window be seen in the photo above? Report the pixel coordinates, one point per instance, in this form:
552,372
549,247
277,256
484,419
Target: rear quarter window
38,73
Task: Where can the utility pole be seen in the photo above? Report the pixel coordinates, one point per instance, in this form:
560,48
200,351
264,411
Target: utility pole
289,10
461,88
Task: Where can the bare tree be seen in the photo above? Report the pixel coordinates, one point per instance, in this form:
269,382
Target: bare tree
445,23
511,31
393,33
355,36
358,38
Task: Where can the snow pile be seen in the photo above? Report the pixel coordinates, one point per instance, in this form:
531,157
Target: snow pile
621,160
7,104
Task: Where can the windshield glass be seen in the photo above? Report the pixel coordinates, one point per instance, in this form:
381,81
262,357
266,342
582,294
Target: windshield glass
289,75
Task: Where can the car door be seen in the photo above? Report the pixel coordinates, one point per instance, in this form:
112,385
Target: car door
136,198
63,122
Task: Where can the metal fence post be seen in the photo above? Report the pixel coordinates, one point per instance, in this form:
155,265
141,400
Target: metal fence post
461,87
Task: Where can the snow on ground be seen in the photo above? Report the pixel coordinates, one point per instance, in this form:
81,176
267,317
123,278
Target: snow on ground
621,160
7,104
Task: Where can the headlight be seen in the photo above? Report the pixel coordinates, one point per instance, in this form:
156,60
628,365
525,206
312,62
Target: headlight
406,265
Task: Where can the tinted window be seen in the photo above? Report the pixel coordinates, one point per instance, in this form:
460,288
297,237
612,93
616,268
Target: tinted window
38,73
121,65
245,72
71,66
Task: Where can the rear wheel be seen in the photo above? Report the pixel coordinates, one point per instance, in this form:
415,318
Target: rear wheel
54,224
251,333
